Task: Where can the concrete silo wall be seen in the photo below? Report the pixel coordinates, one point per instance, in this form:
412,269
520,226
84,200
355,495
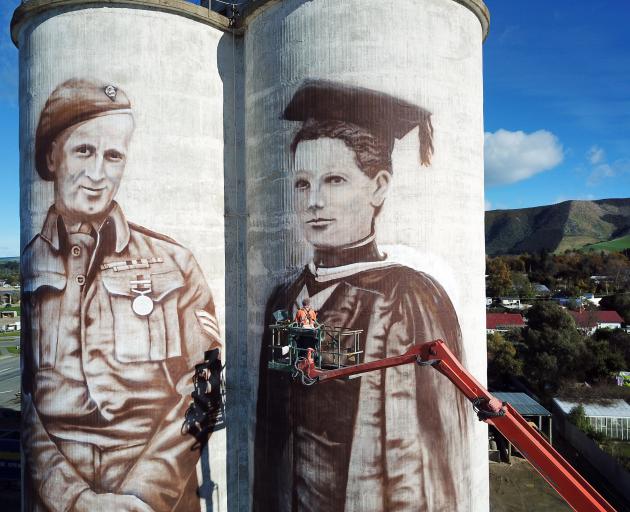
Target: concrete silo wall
130,98
393,247
181,180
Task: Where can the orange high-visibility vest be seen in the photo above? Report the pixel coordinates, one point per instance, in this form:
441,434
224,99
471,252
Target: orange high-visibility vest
305,317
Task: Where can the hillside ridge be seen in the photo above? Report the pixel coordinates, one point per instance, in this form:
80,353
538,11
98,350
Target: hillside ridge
572,224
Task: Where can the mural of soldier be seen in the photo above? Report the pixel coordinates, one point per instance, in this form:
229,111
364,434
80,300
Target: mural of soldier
116,317
391,440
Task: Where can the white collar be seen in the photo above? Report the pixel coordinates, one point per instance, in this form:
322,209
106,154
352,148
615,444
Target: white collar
330,273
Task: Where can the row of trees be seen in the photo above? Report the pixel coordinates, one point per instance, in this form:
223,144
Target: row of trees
570,272
10,272
550,351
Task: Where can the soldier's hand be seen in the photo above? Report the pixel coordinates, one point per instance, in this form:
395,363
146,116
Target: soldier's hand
89,501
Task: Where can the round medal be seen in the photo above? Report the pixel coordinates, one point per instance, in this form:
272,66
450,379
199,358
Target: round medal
142,305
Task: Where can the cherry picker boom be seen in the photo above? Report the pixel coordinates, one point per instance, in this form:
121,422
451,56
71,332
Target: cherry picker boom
575,490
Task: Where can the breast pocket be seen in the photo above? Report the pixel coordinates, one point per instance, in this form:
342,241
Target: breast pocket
151,337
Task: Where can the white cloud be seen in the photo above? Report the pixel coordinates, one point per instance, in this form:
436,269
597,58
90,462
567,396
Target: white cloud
516,156
599,168
607,170
596,155
487,205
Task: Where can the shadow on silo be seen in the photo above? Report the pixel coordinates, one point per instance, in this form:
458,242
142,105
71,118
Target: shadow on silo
238,407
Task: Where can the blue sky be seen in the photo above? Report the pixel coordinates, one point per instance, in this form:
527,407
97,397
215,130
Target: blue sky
559,72
9,150
557,106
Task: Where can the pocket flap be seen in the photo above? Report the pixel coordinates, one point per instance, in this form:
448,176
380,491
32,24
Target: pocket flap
34,282
162,284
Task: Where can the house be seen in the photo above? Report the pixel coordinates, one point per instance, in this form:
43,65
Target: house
566,302
503,322
589,321
510,302
9,324
590,297
601,279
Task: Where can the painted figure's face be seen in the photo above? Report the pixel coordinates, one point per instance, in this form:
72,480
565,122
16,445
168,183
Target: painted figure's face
88,161
334,198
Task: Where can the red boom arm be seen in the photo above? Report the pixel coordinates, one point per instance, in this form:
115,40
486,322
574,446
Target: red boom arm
576,491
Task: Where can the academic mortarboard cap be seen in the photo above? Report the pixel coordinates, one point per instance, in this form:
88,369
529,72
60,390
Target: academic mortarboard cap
385,116
73,102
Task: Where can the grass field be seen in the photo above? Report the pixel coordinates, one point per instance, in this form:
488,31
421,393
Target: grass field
616,245
575,243
10,334
620,450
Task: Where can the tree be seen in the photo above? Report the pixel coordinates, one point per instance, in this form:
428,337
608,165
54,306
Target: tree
521,285
10,272
577,416
619,341
601,360
499,277
553,347
619,303
502,358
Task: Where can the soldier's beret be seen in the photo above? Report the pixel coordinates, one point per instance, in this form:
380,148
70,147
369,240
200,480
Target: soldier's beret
73,102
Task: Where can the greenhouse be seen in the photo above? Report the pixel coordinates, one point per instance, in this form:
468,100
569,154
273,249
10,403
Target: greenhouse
610,417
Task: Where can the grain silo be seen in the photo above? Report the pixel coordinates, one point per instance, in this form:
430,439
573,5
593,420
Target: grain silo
184,175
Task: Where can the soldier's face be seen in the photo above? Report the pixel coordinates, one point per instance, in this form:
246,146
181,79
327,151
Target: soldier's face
334,198
88,161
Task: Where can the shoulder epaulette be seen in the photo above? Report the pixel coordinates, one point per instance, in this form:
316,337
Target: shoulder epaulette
152,234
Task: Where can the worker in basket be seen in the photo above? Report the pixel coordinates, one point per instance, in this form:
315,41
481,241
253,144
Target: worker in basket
306,316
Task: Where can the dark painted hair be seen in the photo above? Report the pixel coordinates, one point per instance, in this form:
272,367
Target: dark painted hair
370,153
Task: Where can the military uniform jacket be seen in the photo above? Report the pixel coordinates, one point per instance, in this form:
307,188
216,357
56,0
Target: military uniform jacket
106,384
392,440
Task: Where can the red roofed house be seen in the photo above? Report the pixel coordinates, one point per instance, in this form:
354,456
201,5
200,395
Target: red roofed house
588,321
503,322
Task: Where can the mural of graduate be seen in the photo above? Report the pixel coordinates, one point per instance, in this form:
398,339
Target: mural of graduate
384,441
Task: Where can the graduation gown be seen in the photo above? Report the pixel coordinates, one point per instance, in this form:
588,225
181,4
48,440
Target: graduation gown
391,440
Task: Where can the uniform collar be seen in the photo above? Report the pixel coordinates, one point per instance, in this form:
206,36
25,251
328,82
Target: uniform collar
121,227
54,228
50,229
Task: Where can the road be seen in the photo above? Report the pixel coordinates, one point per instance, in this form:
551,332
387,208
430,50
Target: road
9,373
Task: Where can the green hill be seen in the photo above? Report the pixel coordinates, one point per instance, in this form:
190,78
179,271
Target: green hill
557,227
618,244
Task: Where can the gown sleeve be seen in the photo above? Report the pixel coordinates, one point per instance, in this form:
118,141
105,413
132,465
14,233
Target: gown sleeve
425,416
272,442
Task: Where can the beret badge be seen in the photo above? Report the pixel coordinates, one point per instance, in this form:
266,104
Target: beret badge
110,92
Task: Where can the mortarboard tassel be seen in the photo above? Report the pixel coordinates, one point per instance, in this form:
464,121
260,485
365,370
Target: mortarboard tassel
425,134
